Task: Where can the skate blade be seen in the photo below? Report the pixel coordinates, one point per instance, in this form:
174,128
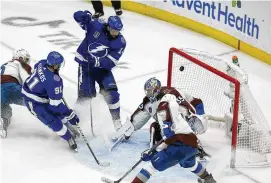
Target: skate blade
75,150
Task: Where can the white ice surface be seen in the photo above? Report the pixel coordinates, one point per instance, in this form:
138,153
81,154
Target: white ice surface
32,153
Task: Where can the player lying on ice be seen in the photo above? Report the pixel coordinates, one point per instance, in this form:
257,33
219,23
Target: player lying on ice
43,93
180,142
13,74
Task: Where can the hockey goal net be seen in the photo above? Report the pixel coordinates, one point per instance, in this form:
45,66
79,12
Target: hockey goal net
226,95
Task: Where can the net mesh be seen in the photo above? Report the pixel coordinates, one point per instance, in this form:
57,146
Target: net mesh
253,136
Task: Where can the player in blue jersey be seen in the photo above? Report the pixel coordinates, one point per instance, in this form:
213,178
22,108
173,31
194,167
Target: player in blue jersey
98,53
43,92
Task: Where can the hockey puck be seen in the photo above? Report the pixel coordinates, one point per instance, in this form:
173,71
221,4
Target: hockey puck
181,68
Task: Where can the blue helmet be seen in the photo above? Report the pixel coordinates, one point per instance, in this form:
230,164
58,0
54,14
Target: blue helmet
54,58
115,23
152,88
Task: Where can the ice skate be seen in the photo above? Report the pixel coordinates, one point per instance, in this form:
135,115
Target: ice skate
207,179
72,144
98,15
4,123
118,12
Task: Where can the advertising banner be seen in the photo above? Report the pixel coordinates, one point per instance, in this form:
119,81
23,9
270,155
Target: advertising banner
248,21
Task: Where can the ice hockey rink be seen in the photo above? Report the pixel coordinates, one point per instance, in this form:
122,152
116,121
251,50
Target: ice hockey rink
33,153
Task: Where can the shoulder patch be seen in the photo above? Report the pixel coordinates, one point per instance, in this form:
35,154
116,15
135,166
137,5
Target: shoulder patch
96,34
56,77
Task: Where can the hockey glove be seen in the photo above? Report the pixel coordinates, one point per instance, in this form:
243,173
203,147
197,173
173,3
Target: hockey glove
167,131
200,109
86,18
72,118
94,61
146,155
82,17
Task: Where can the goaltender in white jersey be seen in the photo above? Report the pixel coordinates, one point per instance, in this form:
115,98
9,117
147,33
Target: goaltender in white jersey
191,108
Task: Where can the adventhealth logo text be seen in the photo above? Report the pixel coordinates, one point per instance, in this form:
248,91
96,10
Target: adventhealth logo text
220,12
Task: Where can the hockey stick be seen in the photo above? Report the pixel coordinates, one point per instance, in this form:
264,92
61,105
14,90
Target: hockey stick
90,106
106,180
91,120
104,164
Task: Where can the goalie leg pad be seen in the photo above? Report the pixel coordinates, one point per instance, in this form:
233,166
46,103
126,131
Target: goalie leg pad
127,129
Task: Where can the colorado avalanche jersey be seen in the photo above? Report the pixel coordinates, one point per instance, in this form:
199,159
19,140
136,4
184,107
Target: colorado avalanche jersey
146,109
98,43
15,71
45,87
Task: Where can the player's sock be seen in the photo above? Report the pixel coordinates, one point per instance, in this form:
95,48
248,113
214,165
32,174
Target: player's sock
142,177
199,170
112,99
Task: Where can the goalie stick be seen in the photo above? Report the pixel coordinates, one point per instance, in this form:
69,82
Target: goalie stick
106,180
122,137
104,164
117,142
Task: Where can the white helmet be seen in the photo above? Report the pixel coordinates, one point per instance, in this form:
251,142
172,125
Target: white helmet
22,53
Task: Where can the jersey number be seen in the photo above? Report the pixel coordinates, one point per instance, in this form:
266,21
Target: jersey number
34,82
58,90
180,100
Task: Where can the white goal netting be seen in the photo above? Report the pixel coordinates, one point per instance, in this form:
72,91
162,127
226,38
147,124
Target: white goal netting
253,140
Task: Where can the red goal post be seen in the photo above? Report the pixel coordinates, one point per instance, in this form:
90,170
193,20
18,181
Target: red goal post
205,76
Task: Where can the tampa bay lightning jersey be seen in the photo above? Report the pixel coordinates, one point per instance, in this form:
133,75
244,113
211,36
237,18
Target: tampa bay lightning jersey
99,43
45,87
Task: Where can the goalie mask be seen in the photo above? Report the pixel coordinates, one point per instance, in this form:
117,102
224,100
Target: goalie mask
152,89
21,54
235,60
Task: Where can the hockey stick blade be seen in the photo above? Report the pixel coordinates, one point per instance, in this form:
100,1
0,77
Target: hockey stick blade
106,180
117,142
